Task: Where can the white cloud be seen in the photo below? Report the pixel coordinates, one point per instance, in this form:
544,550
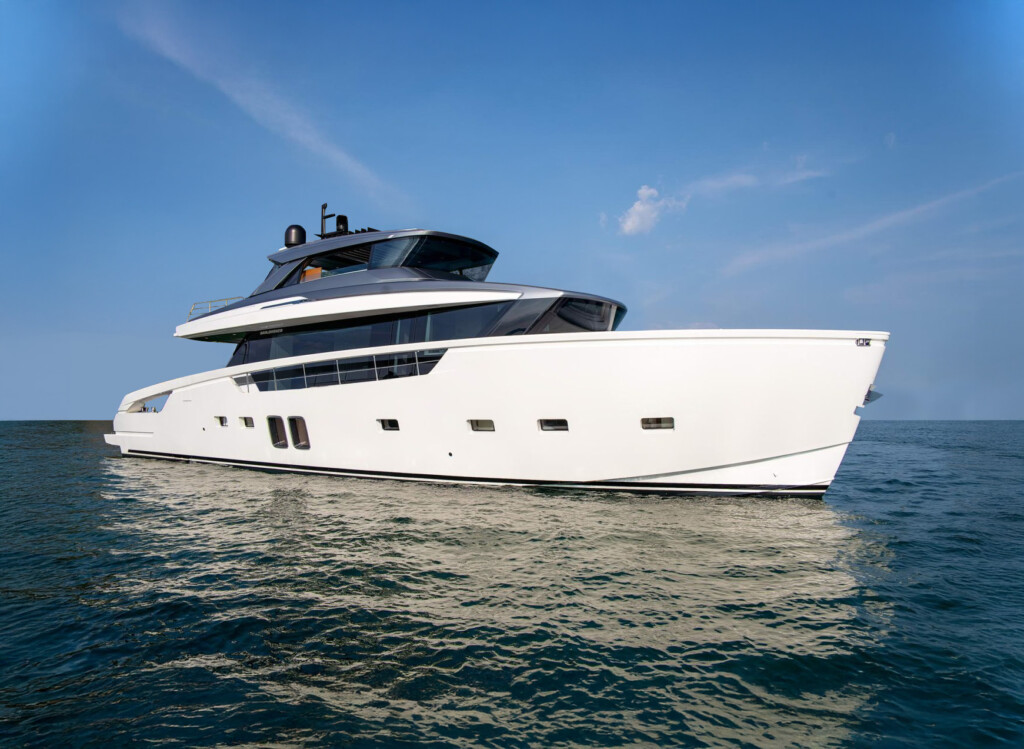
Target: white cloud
645,212
908,215
890,140
254,97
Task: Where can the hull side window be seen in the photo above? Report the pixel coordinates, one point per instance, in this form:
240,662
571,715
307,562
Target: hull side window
277,435
300,435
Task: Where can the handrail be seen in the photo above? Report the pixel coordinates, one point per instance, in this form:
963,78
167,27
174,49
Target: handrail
203,308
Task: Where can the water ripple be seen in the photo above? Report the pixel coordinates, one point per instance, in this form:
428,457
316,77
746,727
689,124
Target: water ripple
195,605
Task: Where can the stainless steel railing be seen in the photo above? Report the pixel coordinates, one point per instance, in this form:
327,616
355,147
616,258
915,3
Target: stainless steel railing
203,308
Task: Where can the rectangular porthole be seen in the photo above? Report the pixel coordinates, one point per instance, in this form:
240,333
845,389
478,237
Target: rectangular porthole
247,422
389,425
222,420
554,425
658,422
277,436
481,425
300,436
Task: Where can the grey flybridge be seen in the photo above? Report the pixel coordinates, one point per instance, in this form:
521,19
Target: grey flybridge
387,354
360,266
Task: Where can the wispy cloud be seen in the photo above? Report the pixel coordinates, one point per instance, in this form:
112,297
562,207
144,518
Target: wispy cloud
721,184
798,175
788,251
645,212
725,183
256,98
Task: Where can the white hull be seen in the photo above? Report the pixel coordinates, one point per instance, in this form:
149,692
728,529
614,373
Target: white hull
755,412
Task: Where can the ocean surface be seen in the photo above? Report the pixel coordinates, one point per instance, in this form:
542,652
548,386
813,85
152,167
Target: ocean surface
147,602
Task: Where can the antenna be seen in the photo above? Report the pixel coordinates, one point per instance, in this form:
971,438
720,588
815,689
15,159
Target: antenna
340,223
324,215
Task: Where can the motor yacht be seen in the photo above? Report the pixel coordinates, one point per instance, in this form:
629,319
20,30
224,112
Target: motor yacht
387,354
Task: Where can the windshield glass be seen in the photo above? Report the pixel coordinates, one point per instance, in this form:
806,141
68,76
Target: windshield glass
427,252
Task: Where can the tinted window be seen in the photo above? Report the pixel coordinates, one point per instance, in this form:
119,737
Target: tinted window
385,330
300,437
425,360
330,264
396,365
264,380
322,373
554,425
658,422
290,378
564,315
277,435
357,369
576,315
391,253
462,322
438,253
521,316
428,252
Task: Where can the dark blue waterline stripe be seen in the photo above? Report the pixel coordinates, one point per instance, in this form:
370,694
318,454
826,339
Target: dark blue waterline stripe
644,486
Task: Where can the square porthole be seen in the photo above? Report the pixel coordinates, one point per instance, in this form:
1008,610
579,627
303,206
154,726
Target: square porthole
553,425
481,425
222,420
388,425
300,435
247,422
278,438
658,422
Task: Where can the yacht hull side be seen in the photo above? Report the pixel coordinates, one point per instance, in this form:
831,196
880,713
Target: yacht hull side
754,412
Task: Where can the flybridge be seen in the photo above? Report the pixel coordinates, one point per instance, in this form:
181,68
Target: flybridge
295,234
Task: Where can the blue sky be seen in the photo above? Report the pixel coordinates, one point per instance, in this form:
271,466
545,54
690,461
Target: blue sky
791,165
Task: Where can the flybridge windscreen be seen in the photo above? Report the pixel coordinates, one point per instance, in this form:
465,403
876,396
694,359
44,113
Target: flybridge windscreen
427,252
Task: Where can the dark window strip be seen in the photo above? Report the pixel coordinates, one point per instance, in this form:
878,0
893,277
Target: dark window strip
344,371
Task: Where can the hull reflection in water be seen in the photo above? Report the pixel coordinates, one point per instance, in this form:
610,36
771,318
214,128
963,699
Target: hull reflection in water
409,612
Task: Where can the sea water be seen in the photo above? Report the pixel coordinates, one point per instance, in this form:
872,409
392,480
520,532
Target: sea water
182,604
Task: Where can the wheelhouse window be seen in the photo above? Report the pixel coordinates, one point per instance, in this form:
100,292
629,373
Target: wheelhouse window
330,264
451,256
481,425
388,425
428,252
